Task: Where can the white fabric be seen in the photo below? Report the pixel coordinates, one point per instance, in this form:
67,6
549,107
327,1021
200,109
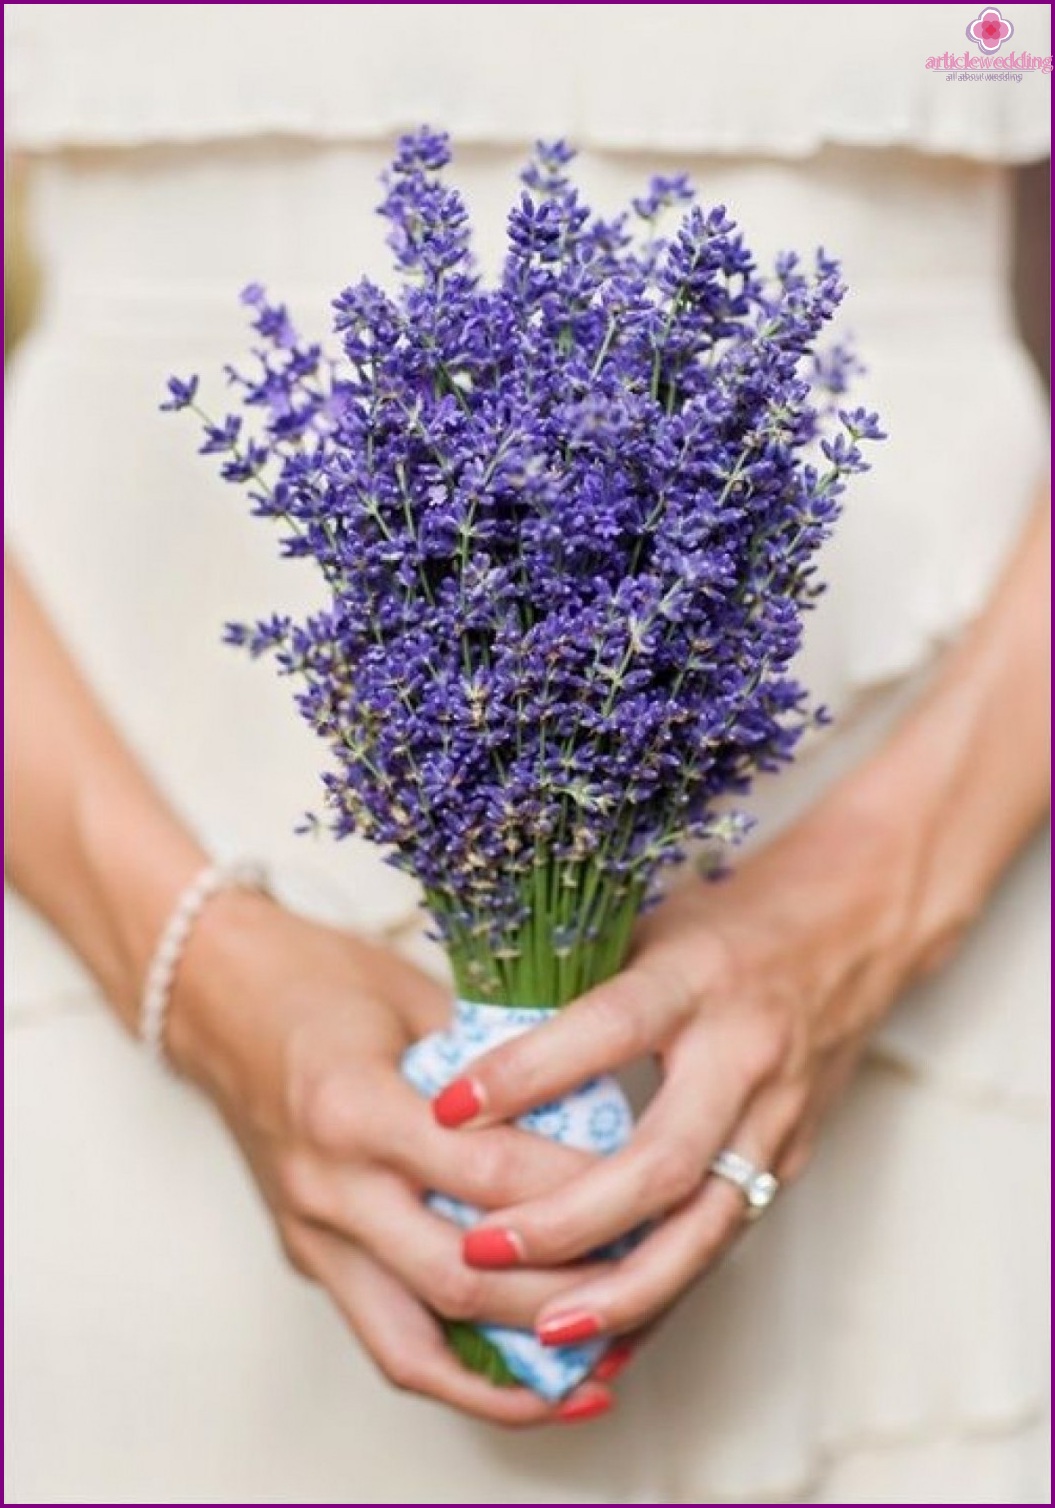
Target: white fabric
877,1337
776,79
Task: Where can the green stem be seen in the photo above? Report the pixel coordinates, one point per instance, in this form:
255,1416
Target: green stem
543,970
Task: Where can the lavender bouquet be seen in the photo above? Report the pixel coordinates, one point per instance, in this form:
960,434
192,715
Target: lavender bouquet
565,526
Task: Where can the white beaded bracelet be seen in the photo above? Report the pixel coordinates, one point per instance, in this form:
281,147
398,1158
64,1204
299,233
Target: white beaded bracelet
157,990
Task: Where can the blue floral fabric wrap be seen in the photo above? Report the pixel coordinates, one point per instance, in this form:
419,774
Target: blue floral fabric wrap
593,1118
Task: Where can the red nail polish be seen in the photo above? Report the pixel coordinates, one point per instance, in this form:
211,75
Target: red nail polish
587,1403
458,1103
614,1362
491,1246
565,1329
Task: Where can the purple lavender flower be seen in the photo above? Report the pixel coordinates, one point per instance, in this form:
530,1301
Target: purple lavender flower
181,393
567,527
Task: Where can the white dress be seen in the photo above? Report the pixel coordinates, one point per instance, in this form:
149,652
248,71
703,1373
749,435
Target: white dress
879,1338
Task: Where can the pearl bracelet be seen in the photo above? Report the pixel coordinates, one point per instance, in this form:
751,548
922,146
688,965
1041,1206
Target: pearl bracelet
157,990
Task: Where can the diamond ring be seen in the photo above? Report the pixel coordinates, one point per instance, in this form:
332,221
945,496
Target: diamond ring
758,1188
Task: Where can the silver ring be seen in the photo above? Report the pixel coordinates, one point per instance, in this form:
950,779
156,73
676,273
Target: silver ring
758,1187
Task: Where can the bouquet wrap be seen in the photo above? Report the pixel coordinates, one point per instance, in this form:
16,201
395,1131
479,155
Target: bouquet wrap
596,1118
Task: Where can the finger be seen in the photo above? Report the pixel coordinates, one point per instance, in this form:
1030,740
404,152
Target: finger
404,1340
422,1003
360,1110
623,1019
500,1166
620,1354
633,1291
701,1100
625,1350
797,1151
424,1251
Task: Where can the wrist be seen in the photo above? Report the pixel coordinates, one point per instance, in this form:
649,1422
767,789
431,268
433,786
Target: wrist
207,1016
900,821
138,860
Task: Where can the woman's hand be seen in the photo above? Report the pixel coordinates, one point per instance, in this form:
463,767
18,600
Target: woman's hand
296,1031
757,996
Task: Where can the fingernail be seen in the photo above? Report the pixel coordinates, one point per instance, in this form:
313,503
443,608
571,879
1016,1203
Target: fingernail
491,1246
613,1362
586,1403
565,1329
458,1103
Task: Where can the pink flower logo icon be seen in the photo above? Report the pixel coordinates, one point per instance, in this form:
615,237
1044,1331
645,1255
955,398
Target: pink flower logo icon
990,30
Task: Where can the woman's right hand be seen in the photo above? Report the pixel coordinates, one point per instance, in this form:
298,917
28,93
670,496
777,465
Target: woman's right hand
296,1032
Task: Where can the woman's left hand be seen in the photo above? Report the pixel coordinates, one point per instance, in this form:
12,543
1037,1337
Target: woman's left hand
757,996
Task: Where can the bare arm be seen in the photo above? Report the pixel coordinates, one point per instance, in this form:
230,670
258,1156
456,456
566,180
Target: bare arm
90,842
969,768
